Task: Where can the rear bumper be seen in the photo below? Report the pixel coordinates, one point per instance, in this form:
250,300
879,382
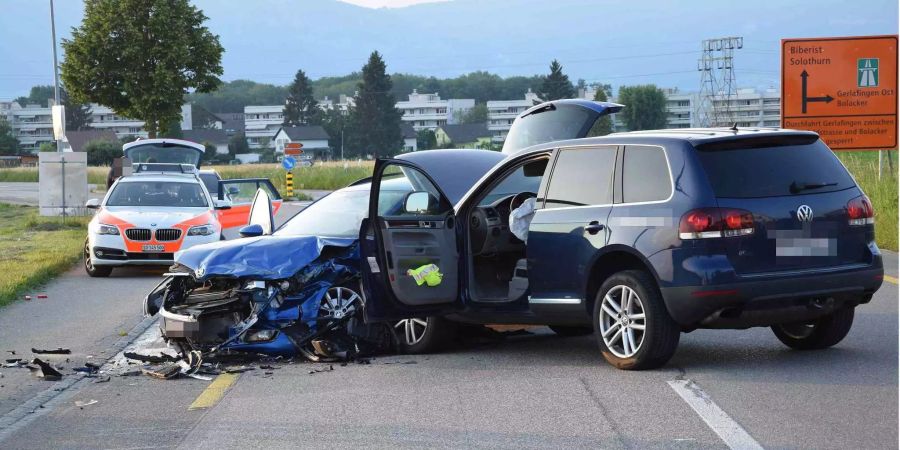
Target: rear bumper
772,299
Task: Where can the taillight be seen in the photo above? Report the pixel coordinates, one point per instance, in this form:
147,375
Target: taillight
706,223
860,211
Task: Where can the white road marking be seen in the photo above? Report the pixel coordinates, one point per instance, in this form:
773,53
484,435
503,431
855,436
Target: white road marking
734,436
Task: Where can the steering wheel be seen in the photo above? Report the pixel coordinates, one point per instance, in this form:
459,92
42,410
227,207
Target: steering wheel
520,198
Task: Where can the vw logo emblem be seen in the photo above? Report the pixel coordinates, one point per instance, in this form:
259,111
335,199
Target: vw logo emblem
804,213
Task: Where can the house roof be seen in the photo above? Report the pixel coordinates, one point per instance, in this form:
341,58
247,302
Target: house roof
202,135
408,131
305,133
231,121
78,139
468,132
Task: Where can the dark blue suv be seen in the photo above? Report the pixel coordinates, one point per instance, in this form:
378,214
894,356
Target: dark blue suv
635,237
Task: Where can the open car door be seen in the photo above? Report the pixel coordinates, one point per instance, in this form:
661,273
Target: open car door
408,246
262,212
240,193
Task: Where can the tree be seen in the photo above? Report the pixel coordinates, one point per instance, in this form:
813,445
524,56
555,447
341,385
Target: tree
604,124
334,122
233,96
101,152
238,145
478,114
209,152
557,84
300,108
47,147
140,58
645,107
173,130
426,140
374,123
9,145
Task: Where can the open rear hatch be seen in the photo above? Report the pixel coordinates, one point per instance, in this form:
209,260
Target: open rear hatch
807,211
164,151
556,121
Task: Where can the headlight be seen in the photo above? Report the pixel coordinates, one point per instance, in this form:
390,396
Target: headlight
201,230
107,229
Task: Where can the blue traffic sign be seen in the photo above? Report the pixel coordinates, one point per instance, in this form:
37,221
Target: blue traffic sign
288,163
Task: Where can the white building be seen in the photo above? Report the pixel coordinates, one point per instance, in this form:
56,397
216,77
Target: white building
261,123
343,104
428,111
104,118
502,113
314,139
32,125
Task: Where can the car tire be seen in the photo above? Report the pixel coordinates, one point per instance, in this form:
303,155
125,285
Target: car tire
570,331
90,268
429,337
818,334
647,348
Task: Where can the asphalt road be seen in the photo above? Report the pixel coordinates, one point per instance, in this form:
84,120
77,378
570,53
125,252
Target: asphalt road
737,388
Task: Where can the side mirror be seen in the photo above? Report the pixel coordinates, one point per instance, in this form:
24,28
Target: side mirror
420,202
221,204
251,230
234,190
93,203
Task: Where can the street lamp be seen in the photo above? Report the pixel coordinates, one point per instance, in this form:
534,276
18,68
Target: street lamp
55,68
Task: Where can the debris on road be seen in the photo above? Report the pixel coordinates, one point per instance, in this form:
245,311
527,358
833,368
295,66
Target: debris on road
154,359
103,379
56,351
162,372
46,371
87,368
82,404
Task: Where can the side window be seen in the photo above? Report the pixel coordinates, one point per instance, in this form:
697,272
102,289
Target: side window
405,191
582,177
645,175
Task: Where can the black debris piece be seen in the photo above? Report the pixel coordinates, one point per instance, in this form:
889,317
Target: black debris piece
14,360
401,362
57,351
46,371
88,368
267,367
11,352
153,359
241,369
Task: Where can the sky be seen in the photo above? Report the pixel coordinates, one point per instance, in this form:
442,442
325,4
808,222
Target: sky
621,42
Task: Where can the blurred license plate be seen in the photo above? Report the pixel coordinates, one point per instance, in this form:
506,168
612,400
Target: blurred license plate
152,248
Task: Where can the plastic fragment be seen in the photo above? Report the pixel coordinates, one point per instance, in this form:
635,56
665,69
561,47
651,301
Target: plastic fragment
82,404
46,371
56,351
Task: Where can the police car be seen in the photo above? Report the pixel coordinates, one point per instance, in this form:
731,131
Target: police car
163,207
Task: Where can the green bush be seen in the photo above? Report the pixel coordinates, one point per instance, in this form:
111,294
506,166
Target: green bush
101,152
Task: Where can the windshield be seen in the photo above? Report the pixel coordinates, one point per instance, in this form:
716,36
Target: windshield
340,214
163,153
158,193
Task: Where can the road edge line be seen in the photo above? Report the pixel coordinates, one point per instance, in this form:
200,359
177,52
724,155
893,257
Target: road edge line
45,401
731,432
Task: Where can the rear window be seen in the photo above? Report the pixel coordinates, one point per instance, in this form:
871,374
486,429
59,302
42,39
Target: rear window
773,171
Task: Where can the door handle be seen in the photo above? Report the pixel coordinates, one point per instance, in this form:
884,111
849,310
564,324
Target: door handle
594,227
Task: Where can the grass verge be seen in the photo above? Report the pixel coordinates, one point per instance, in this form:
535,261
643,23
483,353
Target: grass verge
35,249
883,192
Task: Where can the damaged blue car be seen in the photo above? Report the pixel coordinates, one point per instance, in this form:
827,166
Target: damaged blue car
296,289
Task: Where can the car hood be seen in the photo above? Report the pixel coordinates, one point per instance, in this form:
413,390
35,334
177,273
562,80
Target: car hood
160,218
264,257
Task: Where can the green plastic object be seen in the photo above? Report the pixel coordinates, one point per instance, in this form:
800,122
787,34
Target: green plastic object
428,274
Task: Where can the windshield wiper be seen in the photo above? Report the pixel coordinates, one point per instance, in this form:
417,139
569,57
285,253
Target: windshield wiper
800,187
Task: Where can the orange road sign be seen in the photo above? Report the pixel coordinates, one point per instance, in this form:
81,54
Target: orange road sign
844,88
293,148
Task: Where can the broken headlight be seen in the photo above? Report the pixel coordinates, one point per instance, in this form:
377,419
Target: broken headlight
107,229
201,230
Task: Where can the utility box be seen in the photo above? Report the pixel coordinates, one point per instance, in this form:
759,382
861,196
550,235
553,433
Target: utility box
63,188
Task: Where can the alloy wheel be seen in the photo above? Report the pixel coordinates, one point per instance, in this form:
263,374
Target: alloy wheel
413,329
622,321
338,302
87,257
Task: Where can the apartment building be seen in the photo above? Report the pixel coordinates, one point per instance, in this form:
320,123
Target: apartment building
429,111
502,113
343,104
261,123
104,118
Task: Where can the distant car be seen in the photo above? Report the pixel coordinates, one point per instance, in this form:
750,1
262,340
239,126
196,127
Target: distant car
635,237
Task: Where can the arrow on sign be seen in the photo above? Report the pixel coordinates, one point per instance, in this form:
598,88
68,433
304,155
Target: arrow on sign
827,98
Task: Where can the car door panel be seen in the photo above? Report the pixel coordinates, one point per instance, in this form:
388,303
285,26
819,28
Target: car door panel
393,243
241,192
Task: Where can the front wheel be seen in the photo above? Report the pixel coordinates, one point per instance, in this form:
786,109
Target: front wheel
817,334
89,267
633,327
419,335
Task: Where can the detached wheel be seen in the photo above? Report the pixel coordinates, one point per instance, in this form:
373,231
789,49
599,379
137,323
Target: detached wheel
817,334
423,334
90,268
569,331
633,327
